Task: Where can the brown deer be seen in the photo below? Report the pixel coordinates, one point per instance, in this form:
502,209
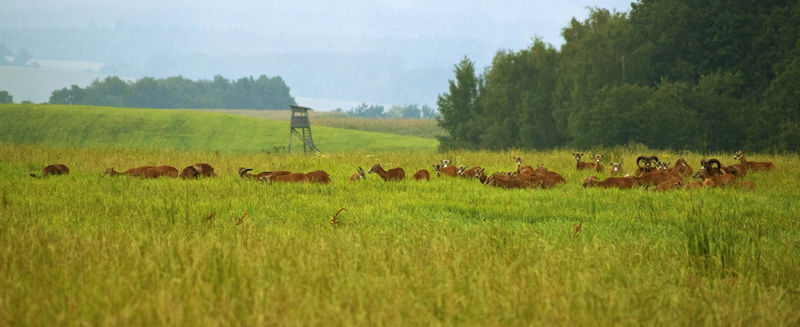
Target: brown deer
549,178
579,165
136,172
262,176
616,182
358,175
693,185
675,182
682,168
480,175
707,169
648,164
394,174
155,172
421,174
753,165
55,169
289,178
197,170
318,176
467,173
502,180
524,170
447,170
720,181
714,177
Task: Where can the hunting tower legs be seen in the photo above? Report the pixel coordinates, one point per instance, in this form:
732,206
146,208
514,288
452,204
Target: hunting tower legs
301,128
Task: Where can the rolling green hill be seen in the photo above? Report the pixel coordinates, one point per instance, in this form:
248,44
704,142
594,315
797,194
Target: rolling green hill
86,126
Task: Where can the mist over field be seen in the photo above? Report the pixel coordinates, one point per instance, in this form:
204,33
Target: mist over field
399,52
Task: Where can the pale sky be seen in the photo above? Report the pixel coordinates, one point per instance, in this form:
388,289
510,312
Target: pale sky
399,52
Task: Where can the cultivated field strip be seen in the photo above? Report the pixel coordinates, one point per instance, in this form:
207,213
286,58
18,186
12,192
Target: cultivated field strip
87,249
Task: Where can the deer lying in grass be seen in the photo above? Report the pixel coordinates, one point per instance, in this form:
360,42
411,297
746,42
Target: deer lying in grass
675,182
197,170
616,182
579,165
549,177
658,176
525,170
504,181
136,172
714,177
421,174
394,174
693,185
720,169
288,178
318,176
55,169
682,168
648,164
467,173
358,175
262,176
753,165
480,175
446,169
166,171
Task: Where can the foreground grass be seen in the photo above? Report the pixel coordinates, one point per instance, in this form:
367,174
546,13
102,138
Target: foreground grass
86,126
85,249
426,128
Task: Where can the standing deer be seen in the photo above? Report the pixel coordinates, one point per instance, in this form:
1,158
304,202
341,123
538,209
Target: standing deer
394,174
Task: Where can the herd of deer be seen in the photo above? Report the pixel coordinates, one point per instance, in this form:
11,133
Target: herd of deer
649,172
652,172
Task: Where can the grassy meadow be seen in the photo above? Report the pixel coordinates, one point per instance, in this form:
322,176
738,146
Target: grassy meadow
87,126
85,249
426,128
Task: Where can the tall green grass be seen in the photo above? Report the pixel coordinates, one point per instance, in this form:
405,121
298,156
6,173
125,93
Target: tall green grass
84,249
86,126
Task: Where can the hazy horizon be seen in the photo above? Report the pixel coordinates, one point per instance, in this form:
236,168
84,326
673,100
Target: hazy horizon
399,52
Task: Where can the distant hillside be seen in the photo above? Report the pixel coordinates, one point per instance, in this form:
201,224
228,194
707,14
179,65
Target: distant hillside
426,128
86,126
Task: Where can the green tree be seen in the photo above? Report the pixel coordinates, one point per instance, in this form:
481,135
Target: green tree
460,109
73,95
599,52
517,100
5,97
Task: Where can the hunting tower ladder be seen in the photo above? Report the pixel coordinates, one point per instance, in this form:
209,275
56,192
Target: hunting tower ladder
301,128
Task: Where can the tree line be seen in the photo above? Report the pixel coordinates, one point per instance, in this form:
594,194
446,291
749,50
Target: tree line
678,74
179,92
411,111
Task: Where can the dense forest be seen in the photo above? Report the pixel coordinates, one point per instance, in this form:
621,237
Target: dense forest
178,92
678,74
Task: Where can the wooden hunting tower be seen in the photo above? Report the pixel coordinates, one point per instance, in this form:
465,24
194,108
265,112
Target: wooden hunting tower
301,128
